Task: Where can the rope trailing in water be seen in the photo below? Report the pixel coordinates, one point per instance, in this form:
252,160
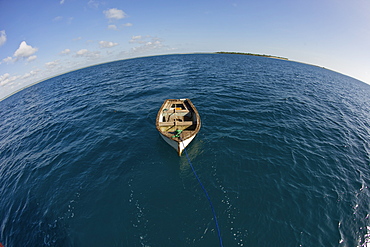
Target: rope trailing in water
206,193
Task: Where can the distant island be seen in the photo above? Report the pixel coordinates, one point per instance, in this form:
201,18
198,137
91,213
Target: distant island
251,54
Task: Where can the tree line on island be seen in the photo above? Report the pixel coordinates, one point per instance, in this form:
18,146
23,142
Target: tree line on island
251,54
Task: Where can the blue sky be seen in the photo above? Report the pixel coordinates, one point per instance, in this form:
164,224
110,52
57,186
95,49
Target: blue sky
43,38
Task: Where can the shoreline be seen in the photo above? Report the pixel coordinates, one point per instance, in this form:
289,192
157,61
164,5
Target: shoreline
251,54
276,57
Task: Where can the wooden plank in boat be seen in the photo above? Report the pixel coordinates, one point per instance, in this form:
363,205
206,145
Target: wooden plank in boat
177,123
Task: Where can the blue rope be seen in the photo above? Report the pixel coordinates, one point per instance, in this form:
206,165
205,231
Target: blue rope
206,193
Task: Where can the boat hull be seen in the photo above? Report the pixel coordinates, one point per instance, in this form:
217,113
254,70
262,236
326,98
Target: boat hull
178,146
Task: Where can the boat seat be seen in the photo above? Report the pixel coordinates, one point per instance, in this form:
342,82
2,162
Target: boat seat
185,123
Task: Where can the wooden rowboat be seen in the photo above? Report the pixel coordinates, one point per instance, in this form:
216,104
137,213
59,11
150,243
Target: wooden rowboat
178,122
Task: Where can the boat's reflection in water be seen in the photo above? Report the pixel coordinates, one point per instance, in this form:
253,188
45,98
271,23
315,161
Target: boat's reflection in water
195,149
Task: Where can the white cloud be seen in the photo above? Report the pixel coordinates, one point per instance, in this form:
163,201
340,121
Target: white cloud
93,4
107,44
24,51
114,14
112,27
137,39
8,60
2,37
58,18
67,20
31,73
82,52
65,52
31,58
87,54
62,1
7,79
147,43
52,64
4,79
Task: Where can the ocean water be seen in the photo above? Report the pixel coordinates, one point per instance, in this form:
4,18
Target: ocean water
283,152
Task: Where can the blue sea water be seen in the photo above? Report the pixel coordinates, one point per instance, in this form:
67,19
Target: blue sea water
283,152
